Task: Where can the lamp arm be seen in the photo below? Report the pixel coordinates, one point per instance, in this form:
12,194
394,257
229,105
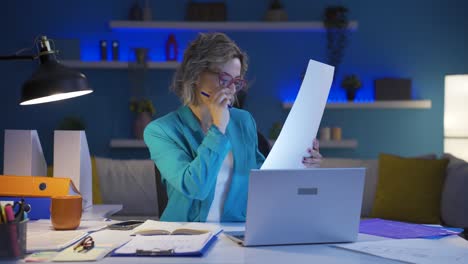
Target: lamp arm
18,57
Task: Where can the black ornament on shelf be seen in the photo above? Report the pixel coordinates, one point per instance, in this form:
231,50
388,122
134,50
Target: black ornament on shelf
336,23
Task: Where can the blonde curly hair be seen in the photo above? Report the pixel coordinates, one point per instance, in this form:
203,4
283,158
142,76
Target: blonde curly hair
205,53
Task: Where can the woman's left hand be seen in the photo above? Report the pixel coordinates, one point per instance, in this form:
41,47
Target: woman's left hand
314,158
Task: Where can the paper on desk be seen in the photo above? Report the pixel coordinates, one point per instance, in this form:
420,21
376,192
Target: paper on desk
303,120
104,242
420,251
41,236
396,229
52,240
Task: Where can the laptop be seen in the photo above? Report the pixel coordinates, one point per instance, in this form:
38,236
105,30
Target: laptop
303,206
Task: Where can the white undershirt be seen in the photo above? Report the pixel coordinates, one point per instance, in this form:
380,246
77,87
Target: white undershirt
222,188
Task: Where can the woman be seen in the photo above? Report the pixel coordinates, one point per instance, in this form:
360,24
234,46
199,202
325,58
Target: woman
206,149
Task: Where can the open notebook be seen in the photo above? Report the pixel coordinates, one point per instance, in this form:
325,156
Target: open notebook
151,227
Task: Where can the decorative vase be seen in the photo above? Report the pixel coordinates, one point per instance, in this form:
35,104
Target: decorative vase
171,48
141,55
136,13
351,94
276,15
147,12
141,121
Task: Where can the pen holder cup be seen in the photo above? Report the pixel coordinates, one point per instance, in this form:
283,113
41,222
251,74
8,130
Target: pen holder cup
13,240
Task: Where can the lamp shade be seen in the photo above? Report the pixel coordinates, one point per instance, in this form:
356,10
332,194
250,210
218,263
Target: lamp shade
52,82
455,106
455,115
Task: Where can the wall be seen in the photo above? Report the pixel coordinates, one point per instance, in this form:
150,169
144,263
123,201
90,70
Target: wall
416,39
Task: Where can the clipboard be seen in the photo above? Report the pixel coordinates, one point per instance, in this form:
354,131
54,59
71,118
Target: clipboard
167,252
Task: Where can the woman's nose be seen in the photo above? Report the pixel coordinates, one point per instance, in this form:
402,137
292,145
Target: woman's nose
232,87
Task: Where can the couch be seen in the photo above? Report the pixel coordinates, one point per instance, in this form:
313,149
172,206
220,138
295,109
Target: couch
132,183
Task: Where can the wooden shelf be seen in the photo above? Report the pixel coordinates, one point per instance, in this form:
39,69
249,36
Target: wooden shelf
408,104
257,26
333,144
127,143
117,64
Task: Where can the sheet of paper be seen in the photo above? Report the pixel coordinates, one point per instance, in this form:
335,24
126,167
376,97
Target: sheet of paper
178,243
52,240
104,242
420,251
302,123
41,235
395,229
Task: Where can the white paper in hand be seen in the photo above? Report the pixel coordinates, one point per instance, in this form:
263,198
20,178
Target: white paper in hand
304,118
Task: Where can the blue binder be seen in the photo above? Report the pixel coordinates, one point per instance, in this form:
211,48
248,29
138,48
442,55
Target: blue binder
40,206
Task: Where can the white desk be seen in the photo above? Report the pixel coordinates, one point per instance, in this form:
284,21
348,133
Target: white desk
225,250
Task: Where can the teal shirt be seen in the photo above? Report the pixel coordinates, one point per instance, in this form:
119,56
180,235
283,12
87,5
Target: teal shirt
189,162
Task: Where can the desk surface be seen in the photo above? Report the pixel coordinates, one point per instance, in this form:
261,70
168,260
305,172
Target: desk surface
225,250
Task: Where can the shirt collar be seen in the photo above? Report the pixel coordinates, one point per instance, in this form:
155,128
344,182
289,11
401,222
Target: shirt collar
188,117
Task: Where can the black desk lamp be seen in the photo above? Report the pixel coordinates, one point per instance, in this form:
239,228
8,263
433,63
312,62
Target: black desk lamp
52,81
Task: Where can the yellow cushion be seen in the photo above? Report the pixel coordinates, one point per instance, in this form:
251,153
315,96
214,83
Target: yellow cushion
97,198
409,189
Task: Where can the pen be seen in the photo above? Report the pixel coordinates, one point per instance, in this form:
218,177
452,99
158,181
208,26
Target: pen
207,95
1,213
3,216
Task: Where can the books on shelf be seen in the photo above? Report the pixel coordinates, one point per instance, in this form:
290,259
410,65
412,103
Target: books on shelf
151,227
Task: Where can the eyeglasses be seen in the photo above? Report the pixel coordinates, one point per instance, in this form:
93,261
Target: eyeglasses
226,80
86,244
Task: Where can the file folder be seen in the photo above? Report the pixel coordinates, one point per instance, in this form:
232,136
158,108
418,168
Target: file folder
36,191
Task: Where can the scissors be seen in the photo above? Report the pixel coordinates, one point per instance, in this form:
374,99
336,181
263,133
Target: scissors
86,244
23,208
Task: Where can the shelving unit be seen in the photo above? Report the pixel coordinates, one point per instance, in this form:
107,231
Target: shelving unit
169,65
409,104
334,144
127,143
315,26
339,144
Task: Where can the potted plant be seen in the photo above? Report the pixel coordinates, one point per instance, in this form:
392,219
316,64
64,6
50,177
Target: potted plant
351,84
336,22
276,12
71,123
144,110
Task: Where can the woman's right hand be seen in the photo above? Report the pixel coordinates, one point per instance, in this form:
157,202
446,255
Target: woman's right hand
218,107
